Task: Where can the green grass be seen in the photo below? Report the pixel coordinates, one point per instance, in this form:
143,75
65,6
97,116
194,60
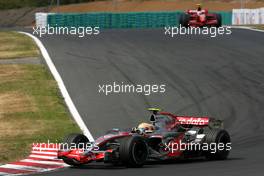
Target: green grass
31,110
16,45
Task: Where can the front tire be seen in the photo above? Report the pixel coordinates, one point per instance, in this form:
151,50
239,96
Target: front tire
184,20
78,140
133,151
219,20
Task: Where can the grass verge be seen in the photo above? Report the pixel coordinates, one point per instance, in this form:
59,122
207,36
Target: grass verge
16,45
31,110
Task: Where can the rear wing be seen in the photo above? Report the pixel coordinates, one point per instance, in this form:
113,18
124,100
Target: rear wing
200,121
190,11
193,120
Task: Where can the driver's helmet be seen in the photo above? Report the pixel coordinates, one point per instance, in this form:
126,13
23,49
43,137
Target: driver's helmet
149,128
199,7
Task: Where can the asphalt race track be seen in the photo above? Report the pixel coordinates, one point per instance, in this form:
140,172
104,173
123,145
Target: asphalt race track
221,77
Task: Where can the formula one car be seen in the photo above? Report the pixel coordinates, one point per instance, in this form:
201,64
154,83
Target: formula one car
200,18
166,137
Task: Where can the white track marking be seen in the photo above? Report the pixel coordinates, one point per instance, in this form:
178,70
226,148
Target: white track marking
62,87
44,162
43,157
37,159
41,149
48,153
20,167
247,27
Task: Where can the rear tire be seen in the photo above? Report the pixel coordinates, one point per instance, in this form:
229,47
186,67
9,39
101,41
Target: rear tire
184,20
217,136
219,20
133,151
78,140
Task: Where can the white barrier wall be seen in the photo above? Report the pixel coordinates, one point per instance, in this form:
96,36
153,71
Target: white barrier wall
248,16
41,19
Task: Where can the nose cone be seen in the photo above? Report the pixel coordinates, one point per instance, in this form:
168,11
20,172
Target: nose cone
202,18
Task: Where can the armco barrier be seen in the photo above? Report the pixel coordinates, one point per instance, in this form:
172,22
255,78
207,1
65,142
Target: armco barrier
123,20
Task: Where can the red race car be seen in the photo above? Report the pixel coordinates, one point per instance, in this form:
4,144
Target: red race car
165,137
200,18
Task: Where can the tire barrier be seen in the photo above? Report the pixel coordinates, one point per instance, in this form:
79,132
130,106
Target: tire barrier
121,20
115,20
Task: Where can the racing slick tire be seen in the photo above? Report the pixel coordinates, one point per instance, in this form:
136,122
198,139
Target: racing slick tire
219,20
133,151
217,136
68,141
184,20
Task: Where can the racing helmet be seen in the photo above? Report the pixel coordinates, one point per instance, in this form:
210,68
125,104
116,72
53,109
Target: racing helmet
149,128
199,7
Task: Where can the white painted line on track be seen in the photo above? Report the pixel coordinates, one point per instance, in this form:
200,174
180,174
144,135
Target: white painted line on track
62,87
247,27
19,167
44,162
42,149
48,153
43,157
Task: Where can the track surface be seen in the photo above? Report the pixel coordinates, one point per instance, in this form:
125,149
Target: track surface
221,77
